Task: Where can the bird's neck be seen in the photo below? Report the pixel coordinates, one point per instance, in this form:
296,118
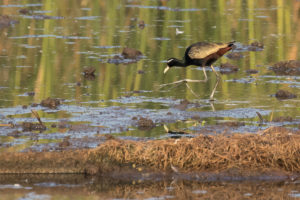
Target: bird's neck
179,63
222,51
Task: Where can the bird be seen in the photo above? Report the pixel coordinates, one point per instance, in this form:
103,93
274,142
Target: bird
178,31
200,54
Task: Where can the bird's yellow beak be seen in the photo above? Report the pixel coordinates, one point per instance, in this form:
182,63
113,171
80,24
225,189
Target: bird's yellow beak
166,69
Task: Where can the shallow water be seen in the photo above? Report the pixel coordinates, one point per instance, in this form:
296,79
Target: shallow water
80,187
45,53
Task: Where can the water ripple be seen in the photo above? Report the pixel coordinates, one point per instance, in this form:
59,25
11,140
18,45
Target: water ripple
165,8
49,36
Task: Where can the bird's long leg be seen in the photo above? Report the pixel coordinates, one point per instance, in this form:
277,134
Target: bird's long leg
187,80
205,80
216,73
218,80
211,97
192,91
204,72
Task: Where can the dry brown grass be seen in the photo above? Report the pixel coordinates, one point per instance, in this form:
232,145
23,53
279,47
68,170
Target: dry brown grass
274,149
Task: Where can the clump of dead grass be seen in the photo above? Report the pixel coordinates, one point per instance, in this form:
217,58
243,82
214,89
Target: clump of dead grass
273,149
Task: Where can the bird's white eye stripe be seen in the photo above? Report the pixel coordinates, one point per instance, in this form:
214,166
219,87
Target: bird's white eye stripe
169,60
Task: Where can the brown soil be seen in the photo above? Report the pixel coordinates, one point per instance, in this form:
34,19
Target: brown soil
141,72
65,143
283,119
30,94
283,94
235,55
34,105
25,11
50,103
145,124
44,162
141,24
255,46
275,149
6,21
251,71
117,59
89,73
130,53
128,56
63,124
15,134
290,67
29,126
183,105
226,68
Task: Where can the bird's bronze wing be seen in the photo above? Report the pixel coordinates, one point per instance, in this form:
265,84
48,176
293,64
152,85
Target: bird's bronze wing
202,49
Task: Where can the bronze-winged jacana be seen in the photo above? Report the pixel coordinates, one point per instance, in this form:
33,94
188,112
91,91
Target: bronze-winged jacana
200,54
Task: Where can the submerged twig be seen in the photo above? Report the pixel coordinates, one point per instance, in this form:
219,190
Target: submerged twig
37,117
261,119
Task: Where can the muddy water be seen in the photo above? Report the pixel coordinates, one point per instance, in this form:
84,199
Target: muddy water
47,46
80,187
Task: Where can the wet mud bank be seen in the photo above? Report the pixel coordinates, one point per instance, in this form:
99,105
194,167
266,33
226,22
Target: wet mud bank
275,149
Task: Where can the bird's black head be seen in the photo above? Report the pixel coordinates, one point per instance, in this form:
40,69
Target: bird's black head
171,62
